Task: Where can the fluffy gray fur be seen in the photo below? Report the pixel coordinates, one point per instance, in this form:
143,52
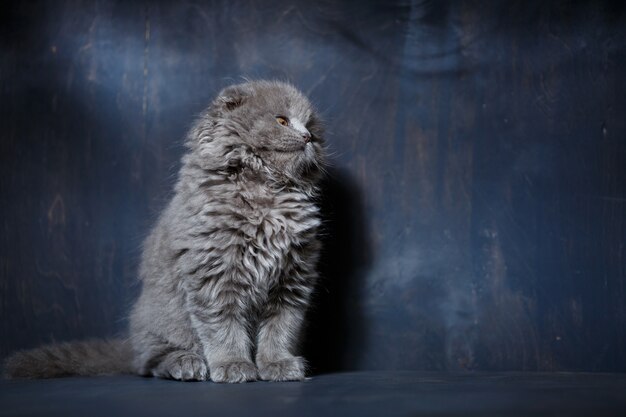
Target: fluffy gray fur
229,268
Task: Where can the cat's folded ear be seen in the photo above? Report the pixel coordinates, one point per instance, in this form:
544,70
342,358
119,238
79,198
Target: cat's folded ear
233,96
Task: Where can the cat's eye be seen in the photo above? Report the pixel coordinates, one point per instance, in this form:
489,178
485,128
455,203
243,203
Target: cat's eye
282,120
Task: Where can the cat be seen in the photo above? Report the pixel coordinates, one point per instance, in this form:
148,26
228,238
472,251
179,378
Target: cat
228,271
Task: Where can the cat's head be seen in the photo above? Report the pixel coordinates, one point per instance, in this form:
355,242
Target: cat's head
267,121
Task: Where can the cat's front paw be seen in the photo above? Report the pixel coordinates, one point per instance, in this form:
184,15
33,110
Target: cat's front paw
287,369
233,372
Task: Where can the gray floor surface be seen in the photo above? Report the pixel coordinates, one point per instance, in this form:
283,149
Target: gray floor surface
344,394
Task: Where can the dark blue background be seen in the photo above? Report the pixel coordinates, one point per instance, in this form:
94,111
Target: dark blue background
476,207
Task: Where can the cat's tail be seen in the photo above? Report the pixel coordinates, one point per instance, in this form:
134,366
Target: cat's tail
92,357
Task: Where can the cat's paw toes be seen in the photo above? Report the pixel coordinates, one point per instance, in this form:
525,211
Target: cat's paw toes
233,372
288,369
183,367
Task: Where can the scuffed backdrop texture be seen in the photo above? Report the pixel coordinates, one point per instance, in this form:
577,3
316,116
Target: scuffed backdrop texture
476,204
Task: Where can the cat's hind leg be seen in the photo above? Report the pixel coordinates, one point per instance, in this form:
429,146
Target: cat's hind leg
181,365
155,356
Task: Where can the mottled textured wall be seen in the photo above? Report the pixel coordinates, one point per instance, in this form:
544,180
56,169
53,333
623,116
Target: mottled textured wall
476,208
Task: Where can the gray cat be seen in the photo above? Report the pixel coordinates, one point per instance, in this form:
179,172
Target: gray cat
229,269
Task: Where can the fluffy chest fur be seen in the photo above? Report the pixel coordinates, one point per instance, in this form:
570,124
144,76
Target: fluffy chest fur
273,231
245,232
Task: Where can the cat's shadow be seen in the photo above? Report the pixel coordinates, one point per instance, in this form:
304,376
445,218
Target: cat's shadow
335,326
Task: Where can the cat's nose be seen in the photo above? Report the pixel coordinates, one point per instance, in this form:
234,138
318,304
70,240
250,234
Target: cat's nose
307,137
